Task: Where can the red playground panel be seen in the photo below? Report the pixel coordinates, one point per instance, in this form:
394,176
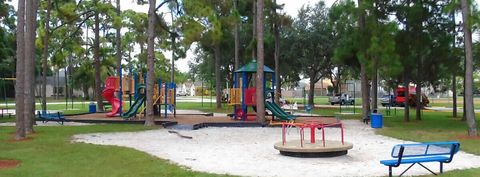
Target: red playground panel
250,97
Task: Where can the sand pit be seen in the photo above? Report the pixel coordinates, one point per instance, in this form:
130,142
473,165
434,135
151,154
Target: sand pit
250,152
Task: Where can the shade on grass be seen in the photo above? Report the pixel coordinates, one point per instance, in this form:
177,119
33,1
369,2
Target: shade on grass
50,153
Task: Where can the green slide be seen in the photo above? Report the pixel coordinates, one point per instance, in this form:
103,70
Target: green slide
134,109
278,112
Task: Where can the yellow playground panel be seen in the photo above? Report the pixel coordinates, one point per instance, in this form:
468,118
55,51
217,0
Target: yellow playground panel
127,84
235,96
160,99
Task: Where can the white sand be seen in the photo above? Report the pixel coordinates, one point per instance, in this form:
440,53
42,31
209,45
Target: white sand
250,152
50,123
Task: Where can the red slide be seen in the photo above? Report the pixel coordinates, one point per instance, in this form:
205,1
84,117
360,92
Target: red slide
108,93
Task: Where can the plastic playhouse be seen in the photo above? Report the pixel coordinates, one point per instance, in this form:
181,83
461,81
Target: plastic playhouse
243,94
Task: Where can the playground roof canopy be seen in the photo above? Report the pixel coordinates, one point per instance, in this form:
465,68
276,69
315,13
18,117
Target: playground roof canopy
252,68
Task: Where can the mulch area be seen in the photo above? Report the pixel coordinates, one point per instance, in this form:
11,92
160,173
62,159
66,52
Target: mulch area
5,164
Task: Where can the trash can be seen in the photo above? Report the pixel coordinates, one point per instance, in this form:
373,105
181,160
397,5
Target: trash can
92,108
376,120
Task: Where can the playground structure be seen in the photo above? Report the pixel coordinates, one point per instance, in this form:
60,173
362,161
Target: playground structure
243,93
164,94
112,86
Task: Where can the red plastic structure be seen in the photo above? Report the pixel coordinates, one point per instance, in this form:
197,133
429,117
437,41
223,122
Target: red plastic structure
250,97
109,94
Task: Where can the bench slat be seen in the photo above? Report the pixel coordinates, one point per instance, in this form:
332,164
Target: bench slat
424,149
419,153
416,160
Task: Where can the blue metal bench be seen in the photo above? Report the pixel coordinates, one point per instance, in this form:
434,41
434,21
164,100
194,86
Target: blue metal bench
419,153
45,117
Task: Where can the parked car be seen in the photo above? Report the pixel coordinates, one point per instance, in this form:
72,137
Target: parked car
182,93
341,99
387,100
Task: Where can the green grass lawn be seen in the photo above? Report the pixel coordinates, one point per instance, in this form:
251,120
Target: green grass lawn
50,153
319,100
434,126
437,102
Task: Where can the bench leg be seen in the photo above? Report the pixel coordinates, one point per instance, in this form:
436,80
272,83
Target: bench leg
428,169
390,171
408,169
441,167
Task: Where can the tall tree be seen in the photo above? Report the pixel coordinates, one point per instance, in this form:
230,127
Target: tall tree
236,35
46,39
150,120
29,70
276,55
260,64
312,25
20,67
362,59
118,41
208,21
254,28
96,56
467,33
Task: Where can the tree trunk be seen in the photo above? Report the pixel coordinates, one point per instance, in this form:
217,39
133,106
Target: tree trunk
276,57
418,90
172,73
260,65
254,28
29,85
118,55
454,96
85,91
365,92
418,99
46,40
375,87
149,120
237,39
20,67
311,92
55,83
454,77
96,56
174,48
464,118
363,68
406,82
218,78
469,108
